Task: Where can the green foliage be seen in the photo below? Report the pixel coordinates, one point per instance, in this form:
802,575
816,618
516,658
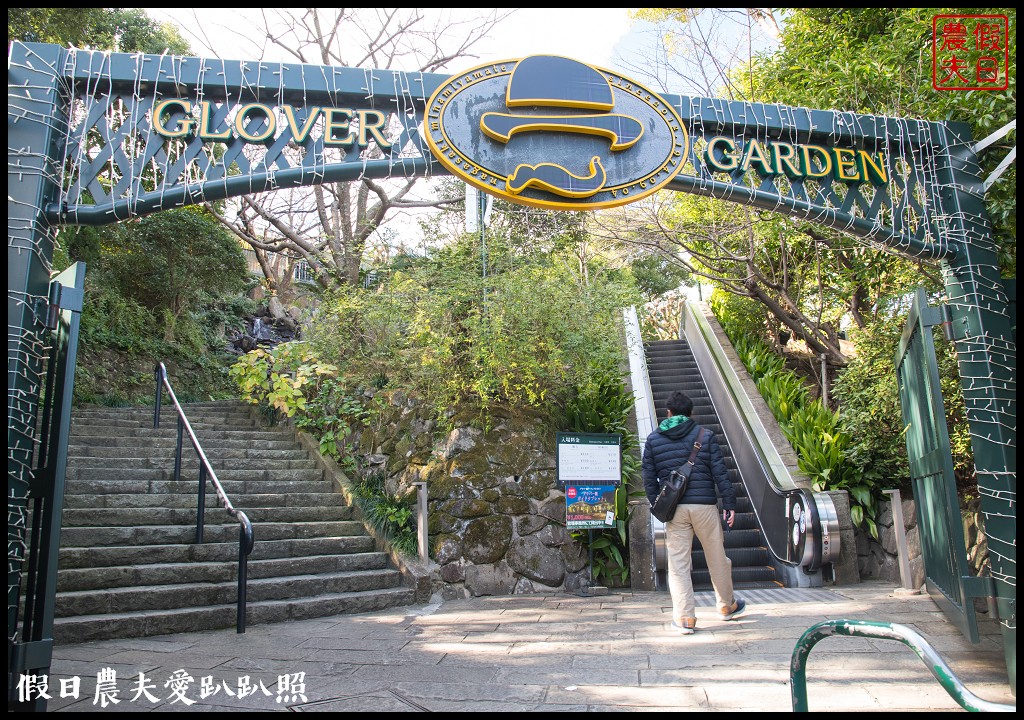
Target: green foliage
281,379
292,381
604,406
110,319
868,396
526,334
391,516
174,259
119,29
739,316
656,276
332,413
824,448
879,61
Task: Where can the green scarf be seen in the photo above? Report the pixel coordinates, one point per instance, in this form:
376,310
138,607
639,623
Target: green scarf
671,422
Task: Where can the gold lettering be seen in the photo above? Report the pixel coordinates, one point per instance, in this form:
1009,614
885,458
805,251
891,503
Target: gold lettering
243,130
337,120
824,160
845,159
300,133
205,118
184,125
730,157
754,152
876,173
373,128
785,154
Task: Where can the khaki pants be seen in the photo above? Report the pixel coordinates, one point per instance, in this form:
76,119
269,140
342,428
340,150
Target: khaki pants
705,522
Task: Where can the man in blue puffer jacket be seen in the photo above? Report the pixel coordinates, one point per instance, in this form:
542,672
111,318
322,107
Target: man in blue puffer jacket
667,449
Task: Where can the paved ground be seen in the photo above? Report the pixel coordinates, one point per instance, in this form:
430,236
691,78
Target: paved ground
554,652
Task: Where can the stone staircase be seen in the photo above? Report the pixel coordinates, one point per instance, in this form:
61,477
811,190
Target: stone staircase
129,565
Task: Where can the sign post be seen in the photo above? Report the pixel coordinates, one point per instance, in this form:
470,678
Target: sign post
589,467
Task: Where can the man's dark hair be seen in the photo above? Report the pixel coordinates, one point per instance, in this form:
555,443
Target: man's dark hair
680,404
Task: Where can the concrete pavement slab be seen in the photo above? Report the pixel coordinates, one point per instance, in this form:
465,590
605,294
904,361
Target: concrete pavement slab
552,652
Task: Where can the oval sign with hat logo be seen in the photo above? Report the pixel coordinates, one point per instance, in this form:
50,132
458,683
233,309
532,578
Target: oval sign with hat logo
553,132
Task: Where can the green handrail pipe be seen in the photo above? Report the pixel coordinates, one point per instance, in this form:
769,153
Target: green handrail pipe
884,631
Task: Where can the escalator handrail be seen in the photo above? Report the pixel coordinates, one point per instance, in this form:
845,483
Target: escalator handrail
821,537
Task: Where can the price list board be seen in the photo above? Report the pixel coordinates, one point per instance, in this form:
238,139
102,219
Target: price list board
592,458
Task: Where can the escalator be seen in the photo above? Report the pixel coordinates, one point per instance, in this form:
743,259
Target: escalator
784,534
671,366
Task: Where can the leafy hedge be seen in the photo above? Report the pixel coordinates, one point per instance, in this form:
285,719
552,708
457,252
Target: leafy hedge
823,446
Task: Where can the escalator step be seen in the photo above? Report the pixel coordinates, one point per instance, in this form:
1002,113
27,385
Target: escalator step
671,366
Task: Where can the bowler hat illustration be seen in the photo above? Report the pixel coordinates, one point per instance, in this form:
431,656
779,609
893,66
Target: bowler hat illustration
556,82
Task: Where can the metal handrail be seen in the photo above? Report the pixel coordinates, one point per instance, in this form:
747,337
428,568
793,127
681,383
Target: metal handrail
884,631
245,536
800,526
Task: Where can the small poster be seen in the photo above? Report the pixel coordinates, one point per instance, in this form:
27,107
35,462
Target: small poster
589,506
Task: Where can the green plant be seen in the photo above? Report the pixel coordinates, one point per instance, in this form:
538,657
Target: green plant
281,378
331,414
825,451
604,406
391,516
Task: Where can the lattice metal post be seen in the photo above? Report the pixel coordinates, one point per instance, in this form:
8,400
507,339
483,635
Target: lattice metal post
35,128
987,358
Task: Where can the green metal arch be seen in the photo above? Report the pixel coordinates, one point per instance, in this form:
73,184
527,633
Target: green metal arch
81,151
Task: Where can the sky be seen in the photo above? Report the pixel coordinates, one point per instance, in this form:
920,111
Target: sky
591,36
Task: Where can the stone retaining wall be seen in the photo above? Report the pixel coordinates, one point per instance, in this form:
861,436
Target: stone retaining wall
879,559
496,515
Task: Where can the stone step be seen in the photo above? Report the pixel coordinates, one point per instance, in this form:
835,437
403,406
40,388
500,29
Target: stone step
240,420
210,446
128,564
100,578
227,552
306,474
233,488
178,534
83,433
165,454
145,414
125,517
190,461
189,500
144,624
198,594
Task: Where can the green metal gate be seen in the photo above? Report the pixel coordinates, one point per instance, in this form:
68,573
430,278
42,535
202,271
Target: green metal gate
30,649
931,470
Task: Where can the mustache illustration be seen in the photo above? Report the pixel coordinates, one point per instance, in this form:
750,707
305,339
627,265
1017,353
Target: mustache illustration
555,178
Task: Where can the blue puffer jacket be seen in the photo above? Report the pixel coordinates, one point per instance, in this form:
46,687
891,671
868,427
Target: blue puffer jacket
667,450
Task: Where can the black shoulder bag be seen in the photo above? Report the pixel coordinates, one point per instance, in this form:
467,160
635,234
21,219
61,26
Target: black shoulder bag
673,487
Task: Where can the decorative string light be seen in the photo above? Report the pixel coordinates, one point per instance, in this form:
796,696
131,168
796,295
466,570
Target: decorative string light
112,162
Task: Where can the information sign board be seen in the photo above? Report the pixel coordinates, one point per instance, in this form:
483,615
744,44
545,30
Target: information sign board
589,458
